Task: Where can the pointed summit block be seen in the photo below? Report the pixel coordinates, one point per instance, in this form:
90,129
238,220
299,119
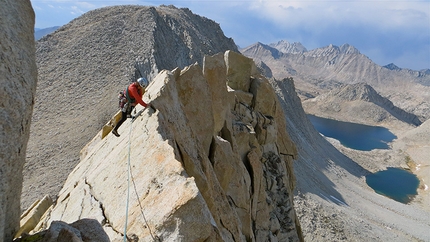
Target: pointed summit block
239,70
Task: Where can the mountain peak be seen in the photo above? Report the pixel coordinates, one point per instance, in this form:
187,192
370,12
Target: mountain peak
349,49
391,66
286,47
357,91
351,92
262,49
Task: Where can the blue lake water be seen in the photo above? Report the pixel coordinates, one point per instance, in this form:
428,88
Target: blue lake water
395,183
352,135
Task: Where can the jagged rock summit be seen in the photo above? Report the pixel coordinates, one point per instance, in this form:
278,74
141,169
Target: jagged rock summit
392,66
212,162
359,103
85,63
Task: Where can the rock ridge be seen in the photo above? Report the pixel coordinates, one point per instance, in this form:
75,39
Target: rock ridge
85,63
213,162
358,100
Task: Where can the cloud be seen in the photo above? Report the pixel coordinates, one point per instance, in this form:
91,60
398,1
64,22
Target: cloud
76,10
317,14
386,31
86,5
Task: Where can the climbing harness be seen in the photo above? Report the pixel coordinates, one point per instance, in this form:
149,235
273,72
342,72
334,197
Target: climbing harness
130,175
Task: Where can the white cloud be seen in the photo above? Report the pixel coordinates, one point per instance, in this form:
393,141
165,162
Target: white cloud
386,31
316,14
76,10
86,5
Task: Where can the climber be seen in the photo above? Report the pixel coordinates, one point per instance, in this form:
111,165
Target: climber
129,99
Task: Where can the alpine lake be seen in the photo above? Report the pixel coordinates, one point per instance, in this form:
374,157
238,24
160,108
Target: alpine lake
395,183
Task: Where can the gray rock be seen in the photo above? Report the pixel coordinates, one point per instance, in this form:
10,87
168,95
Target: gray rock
83,230
18,75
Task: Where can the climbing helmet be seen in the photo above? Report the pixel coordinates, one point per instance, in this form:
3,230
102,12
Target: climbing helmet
142,82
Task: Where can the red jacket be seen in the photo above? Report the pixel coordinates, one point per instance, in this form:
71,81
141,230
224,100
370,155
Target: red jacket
136,92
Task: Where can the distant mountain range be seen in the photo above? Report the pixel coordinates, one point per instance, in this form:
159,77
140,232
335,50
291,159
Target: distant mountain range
39,33
320,70
327,61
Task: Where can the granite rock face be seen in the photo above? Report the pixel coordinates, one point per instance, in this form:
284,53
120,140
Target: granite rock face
84,64
211,163
18,76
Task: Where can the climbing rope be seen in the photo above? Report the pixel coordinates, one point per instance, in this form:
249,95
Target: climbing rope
129,174
128,183
141,210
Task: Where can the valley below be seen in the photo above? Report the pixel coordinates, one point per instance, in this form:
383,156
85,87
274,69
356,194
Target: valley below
351,210
405,222
409,149
333,200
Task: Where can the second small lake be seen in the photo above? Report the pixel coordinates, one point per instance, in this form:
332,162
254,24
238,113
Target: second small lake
353,135
395,183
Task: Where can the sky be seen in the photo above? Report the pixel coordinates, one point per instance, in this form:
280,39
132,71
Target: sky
386,31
